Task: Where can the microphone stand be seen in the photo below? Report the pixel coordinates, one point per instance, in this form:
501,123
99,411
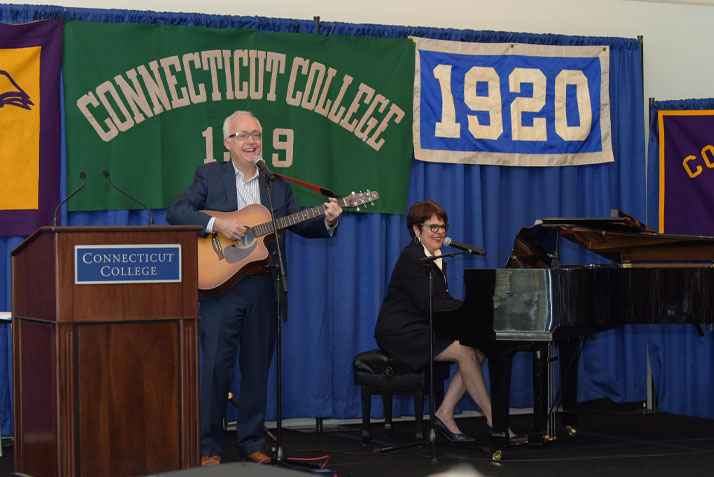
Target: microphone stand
281,283
432,434
431,437
279,456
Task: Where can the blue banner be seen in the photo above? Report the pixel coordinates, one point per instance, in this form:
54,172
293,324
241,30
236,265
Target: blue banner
511,104
146,263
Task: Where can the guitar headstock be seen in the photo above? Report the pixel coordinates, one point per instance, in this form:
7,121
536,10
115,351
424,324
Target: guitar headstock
357,199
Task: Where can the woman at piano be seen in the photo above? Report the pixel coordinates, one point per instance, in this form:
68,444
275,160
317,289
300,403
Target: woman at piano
402,328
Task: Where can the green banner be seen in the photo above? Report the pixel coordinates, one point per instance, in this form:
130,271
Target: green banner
147,104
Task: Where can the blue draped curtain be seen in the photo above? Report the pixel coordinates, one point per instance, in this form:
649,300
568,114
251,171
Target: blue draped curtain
336,286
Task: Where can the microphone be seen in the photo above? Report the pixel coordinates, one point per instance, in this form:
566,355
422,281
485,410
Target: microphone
462,246
260,162
82,175
151,217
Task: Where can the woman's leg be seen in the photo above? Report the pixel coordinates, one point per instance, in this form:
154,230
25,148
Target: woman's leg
470,374
454,393
469,378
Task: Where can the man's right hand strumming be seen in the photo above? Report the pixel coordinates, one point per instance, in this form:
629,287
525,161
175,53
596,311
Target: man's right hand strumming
230,229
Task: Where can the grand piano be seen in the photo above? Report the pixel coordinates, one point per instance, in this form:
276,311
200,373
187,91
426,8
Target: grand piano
536,302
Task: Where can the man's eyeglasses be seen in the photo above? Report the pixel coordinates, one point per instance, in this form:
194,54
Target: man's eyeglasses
435,227
244,135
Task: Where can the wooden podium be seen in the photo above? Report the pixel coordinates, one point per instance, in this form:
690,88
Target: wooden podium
105,373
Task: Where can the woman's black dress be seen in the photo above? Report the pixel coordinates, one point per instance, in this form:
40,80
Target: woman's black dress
402,328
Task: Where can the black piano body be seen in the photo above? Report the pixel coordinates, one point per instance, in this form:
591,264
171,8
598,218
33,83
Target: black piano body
536,302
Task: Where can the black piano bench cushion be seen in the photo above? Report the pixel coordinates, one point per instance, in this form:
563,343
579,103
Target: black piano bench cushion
376,369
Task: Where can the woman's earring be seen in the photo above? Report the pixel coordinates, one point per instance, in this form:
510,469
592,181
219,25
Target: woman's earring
417,240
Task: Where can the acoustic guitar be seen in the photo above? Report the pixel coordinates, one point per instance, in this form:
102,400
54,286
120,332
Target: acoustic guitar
222,262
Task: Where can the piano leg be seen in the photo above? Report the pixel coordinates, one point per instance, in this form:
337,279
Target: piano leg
541,362
568,350
500,361
499,370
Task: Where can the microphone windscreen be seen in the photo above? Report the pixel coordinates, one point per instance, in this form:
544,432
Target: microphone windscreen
446,241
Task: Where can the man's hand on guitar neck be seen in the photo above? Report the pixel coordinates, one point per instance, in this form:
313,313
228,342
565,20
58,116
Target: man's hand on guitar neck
229,228
332,212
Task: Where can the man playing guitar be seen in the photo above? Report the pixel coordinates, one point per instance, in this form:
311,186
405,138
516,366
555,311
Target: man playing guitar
240,319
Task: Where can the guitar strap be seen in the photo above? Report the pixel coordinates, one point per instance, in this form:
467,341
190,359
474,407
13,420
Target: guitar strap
318,189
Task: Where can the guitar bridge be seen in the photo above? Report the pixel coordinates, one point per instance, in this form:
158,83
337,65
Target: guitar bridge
216,242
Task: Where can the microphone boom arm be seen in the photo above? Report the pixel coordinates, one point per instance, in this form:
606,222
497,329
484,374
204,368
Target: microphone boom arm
445,255
151,216
82,175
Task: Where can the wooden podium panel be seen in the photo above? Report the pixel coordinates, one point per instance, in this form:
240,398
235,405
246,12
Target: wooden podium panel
105,374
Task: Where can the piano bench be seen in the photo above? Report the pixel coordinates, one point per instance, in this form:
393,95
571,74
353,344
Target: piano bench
376,372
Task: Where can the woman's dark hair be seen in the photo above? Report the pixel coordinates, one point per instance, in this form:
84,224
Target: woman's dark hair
420,212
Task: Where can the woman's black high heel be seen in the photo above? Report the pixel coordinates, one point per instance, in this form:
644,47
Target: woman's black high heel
441,428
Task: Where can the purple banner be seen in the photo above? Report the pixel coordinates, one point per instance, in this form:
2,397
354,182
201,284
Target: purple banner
686,152
30,62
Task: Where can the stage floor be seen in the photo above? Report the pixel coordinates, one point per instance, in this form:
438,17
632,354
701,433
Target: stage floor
611,440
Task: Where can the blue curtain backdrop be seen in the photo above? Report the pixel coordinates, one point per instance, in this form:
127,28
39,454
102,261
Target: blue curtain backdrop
336,286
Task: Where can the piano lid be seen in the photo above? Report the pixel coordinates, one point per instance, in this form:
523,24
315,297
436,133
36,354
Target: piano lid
620,238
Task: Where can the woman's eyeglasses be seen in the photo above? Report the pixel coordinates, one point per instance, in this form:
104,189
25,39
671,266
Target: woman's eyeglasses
435,227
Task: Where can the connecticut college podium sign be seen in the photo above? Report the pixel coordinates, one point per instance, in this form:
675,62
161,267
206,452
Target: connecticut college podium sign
105,351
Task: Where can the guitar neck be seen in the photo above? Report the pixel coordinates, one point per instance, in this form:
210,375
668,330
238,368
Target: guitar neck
293,219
